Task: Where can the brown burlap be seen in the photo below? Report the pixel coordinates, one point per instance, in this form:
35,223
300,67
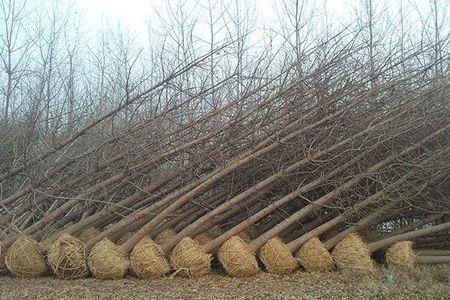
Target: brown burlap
313,256
67,257
107,261
401,254
276,257
24,258
352,253
237,258
147,260
189,259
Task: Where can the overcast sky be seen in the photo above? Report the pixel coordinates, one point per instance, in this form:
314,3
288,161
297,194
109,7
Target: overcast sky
135,14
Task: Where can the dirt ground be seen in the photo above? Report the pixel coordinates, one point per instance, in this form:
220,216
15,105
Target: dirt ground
425,282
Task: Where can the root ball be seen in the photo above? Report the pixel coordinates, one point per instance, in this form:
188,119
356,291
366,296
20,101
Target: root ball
67,257
189,259
277,258
401,254
24,258
352,253
237,258
107,261
313,256
147,260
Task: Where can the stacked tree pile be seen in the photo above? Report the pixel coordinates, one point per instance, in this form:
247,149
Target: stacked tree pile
326,169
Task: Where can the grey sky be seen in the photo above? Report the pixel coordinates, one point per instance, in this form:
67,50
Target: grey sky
135,15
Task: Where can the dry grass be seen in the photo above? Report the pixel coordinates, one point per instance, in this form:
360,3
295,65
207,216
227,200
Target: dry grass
423,282
203,238
215,231
3,268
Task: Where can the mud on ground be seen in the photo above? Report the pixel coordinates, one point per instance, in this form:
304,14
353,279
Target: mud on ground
425,282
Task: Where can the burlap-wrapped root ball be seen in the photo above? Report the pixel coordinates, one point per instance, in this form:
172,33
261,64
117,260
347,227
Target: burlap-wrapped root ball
277,258
237,258
189,259
352,253
88,234
401,254
67,257
147,260
203,238
165,236
313,256
24,258
107,261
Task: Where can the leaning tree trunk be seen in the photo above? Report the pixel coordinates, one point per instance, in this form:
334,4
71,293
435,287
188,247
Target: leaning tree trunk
105,184
303,212
133,199
245,158
433,252
188,230
415,225
375,198
147,163
429,260
261,185
84,130
381,244
261,240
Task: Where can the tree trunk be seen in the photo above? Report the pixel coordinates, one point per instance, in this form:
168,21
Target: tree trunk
432,252
261,240
428,260
375,246
218,174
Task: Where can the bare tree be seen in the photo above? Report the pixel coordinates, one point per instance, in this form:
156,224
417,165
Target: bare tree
14,49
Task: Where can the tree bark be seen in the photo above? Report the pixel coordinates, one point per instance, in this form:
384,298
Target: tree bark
262,239
375,246
428,260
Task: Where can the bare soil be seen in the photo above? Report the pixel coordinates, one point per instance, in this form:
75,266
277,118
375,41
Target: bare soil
425,282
